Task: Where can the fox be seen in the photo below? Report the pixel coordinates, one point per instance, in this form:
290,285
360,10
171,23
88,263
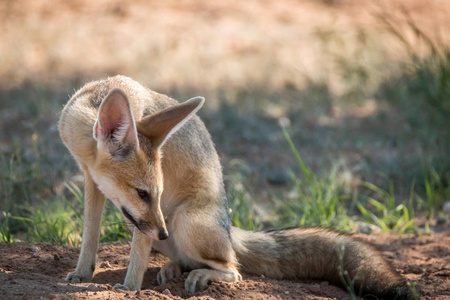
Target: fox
153,157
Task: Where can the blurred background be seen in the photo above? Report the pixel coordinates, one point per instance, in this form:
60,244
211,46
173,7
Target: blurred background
324,113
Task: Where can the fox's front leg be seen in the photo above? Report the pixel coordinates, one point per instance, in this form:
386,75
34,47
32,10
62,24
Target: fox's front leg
140,251
94,202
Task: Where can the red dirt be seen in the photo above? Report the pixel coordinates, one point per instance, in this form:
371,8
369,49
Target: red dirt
28,273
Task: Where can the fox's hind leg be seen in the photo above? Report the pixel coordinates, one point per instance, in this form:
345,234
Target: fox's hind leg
199,279
94,202
169,271
208,243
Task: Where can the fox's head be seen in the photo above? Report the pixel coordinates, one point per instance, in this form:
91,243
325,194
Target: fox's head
128,165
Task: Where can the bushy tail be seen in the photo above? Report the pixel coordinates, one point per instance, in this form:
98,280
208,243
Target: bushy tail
318,253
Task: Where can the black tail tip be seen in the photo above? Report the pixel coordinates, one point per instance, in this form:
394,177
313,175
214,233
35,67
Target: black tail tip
403,291
399,291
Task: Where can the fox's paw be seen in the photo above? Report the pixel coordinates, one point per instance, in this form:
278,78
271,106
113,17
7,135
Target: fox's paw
169,271
121,286
199,279
75,277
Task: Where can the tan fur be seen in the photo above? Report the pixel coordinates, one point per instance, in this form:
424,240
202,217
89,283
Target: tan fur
130,142
313,253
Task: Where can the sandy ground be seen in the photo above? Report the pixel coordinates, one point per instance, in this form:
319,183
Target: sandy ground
37,272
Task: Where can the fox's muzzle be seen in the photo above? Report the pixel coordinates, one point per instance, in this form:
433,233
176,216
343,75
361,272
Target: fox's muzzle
163,235
129,217
156,234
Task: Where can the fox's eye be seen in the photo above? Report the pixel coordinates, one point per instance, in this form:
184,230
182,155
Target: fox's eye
144,195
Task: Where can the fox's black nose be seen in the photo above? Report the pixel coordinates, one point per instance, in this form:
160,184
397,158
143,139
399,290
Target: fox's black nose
163,235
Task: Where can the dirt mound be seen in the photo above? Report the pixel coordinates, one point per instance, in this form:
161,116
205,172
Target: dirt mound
37,272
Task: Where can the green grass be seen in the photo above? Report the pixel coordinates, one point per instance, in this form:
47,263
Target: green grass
388,214
437,191
5,230
61,222
53,223
324,201
317,200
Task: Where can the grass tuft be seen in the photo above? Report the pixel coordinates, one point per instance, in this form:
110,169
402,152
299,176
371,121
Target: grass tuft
389,215
5,230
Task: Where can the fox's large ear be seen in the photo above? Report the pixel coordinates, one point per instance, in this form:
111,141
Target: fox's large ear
160,125
115,127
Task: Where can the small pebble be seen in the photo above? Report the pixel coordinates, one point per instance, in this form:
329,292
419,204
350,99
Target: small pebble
105,264
441,221
35,251
166,292
277,177
93,288
367,228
